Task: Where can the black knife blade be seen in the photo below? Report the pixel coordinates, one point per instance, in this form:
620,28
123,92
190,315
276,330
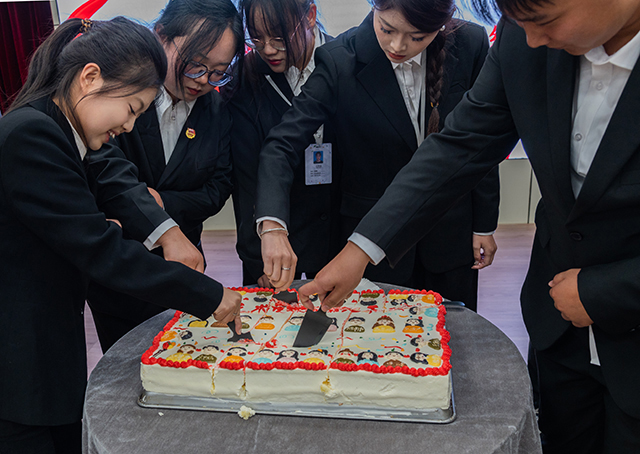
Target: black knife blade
287,296
235,337
314,325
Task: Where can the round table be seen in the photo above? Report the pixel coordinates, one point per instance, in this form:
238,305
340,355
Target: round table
491,389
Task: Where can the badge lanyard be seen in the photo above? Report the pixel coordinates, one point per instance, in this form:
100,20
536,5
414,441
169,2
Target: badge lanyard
319,134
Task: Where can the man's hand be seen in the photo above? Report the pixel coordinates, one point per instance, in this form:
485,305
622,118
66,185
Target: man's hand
278,257
564,291
229,309
177,248
336,281
484,249
156,196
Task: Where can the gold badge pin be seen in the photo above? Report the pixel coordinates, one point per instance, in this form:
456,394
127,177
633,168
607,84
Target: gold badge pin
191,133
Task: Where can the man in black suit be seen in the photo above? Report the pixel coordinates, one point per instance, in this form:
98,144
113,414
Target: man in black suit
567,86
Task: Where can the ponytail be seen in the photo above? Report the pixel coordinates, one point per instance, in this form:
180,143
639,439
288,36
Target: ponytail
128,54
43,78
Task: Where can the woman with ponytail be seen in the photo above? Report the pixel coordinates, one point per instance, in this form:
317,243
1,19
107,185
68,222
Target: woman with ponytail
180,145
383,87
87,82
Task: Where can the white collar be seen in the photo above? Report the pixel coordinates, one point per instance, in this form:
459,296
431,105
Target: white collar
293,72
165,102
82,149
625,57
417,59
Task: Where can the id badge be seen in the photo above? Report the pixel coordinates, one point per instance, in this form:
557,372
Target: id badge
317,164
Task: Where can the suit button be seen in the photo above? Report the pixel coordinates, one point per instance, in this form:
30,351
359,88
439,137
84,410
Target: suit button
576,236
324,217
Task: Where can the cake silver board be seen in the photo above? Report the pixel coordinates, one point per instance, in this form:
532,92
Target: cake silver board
329,410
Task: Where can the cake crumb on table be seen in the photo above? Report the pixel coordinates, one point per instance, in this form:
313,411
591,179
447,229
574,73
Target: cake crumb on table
246,412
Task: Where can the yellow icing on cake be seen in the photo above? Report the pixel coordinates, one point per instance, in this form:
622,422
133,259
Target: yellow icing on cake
412,329
429,299
434,360
168,336
383,329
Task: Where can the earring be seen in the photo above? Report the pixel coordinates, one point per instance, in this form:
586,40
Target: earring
442,28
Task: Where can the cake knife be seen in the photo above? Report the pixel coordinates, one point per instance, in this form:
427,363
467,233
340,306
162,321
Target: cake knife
235,337
314,325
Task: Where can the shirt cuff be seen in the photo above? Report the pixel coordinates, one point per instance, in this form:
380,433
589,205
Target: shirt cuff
375,253
484,233
269,218
150,242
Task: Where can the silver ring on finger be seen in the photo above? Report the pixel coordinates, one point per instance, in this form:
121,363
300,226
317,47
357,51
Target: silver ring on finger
286,269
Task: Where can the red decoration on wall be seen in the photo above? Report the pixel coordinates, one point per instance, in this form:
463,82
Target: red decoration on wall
87,9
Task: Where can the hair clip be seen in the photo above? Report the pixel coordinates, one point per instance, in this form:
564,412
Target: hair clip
86,25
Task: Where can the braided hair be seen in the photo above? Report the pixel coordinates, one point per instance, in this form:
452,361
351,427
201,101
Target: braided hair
428,16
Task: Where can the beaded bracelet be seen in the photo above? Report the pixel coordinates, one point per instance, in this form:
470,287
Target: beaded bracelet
279,229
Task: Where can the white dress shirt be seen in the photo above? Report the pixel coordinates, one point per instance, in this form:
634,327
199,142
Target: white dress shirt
411,76
600,83
171,118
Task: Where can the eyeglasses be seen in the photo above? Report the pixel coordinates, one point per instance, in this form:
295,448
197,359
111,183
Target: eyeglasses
194,70
276,43
258,44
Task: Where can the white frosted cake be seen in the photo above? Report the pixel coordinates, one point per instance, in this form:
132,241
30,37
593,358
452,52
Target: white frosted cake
382,351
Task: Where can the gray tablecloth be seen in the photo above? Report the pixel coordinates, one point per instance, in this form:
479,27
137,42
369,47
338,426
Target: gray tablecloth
490,384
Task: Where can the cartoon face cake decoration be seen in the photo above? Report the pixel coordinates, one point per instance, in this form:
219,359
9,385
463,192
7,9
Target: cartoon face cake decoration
384,324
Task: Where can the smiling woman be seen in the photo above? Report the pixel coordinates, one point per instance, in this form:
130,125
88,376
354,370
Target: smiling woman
87,82
115,113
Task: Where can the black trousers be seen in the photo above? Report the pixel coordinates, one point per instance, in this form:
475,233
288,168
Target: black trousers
115,314
24,439
577,414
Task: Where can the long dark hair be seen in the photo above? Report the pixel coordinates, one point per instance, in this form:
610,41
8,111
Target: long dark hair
428,16
280,18
181,18
129,56
488,12
514,8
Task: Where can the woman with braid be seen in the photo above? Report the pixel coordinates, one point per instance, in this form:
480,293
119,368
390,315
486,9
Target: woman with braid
383,87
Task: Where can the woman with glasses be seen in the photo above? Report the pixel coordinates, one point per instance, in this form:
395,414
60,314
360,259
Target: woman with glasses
180,145
384,86
282,36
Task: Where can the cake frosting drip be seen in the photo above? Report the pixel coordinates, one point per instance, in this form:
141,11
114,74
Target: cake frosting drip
381,350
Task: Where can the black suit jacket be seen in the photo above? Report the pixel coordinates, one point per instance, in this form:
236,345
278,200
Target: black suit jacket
54,239
354,89
313,231
528,93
